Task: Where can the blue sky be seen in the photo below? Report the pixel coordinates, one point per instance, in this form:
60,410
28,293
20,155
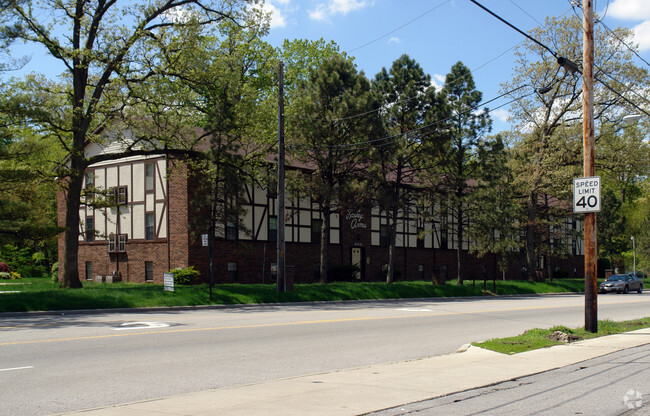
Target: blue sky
439,33
436,33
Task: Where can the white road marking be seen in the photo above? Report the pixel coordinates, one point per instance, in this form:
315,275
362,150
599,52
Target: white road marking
16,368
415,310
140,325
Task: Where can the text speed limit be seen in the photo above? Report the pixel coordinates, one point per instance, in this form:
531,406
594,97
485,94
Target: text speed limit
586,194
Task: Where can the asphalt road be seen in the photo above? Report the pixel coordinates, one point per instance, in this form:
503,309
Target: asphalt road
611,385
62,362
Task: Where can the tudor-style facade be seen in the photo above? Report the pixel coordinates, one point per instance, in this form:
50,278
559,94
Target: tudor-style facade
144,232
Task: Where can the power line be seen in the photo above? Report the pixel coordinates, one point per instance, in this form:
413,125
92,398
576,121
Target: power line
516,28
400,27
389,139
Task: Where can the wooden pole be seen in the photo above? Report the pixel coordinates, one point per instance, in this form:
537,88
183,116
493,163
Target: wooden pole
590,230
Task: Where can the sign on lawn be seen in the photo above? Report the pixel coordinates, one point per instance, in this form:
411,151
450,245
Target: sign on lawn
168,282
586,194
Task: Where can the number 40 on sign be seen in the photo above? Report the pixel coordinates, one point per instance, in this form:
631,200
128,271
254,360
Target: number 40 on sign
586,194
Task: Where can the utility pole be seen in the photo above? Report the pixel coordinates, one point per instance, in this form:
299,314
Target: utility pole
281,280
590,230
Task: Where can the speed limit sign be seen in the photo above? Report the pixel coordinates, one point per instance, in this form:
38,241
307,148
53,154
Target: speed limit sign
586,194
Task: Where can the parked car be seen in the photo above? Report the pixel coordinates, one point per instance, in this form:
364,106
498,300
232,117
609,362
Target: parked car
639,274
622,283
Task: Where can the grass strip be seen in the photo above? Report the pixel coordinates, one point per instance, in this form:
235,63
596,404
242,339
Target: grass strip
41,294
542,338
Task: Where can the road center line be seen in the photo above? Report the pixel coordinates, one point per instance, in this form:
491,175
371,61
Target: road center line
310,322
16,368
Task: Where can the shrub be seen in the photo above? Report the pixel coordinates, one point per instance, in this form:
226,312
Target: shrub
343,273
186,276
4,268
5,275
16,275
55,272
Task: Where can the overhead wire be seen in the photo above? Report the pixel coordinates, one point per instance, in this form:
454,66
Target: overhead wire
419,128
400,27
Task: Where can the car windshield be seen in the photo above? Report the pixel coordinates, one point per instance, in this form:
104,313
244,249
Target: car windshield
616,277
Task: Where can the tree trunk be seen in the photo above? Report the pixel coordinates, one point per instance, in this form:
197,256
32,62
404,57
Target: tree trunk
459,247
530,237
392,243
71,236
324,243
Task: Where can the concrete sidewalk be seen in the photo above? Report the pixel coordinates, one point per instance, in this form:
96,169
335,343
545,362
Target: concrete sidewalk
368,389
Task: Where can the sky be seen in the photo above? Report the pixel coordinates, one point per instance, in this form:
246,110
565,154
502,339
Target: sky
439,33
436,33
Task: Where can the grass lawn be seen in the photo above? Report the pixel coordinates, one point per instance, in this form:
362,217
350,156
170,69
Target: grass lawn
541,338
41,294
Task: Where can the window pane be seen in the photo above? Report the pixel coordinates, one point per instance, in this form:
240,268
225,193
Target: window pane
231,231
232,271
89,270
316,226
121,242
148,271
149,227
90,229
148,177
273,229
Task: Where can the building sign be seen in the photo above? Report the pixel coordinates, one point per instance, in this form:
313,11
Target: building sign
168,282
204,240
357,219
586,194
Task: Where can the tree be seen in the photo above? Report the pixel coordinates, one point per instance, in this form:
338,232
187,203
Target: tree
493,228
459,163
108,49
334,116
547,139
410,112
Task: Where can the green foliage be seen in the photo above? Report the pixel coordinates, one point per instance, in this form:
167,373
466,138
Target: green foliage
22,260
54,272
5,275
327,136
186,276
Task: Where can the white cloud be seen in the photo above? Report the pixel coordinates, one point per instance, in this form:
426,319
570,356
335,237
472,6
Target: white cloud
277,17
319,13
324,11
437,81
500,114
394,40
642,35
629,9
634,10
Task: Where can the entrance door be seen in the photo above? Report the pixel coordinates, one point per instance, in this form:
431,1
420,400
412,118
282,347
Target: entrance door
357,260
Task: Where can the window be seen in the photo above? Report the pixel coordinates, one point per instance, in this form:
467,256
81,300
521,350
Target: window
117,243
149,226
120,195
232,271
90,229
148,176
231,230
89,270
420,238
90,179
90,185
421,271
383,235
316,227
273,229
148,271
